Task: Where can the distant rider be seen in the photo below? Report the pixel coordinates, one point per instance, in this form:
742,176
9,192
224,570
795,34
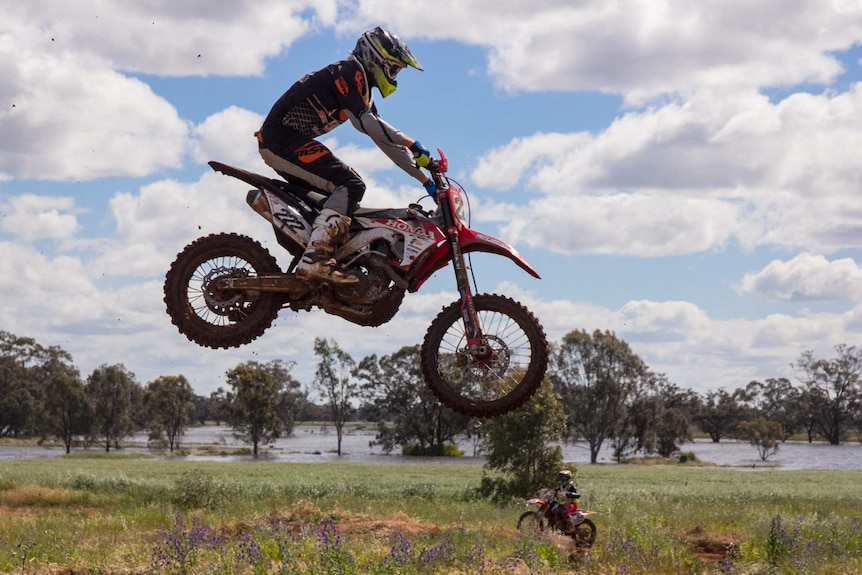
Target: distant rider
320,102
566,497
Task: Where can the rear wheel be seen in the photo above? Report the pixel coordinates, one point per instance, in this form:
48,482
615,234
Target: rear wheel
496,379
530,521
214,317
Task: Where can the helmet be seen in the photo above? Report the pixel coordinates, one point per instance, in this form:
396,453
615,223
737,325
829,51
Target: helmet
383,55
564,475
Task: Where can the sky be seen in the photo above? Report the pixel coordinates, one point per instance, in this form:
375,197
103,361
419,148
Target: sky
687,175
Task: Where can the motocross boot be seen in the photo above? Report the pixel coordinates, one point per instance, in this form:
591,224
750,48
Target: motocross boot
330,229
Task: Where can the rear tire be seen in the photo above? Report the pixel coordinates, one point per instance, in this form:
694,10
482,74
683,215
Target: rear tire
493,385
220,318
530,521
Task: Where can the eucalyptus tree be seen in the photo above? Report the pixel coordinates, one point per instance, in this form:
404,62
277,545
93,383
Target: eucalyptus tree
656,419
258,401
407,413
169,403
778,400
596,376
720,413
67,412
110,389
334,381
519,446
763,434
835,388
26,368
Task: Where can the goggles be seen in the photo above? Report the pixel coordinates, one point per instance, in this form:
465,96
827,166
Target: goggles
390,69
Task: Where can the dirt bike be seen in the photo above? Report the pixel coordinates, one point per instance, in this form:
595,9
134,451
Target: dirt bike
483,355
548,514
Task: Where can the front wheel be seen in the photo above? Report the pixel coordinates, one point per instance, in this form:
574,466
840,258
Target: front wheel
584,533
214,317
493,380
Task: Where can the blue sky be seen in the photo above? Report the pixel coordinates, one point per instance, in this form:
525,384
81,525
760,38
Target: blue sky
685,174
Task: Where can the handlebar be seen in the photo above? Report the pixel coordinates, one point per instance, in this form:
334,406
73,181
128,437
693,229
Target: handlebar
438,167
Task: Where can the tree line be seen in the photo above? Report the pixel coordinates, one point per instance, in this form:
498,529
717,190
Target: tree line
607,395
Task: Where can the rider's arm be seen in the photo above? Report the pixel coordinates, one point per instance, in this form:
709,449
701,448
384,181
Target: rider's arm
393,142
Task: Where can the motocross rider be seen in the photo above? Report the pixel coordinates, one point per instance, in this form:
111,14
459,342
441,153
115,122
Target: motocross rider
566,496
320,102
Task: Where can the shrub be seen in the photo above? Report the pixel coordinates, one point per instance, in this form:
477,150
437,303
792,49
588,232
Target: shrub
198,489
687,457
449,450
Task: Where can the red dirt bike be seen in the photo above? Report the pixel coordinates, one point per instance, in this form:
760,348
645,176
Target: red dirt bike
483,355
549,514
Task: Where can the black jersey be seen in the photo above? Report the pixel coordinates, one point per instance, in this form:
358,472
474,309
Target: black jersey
318,103
322,101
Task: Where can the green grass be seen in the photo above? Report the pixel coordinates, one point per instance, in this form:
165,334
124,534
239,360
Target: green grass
114,514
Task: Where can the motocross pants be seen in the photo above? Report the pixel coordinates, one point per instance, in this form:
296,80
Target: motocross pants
313,163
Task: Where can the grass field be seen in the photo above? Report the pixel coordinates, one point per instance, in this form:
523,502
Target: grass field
116,514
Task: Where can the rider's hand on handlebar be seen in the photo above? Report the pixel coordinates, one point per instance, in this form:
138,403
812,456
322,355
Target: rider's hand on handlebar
420,154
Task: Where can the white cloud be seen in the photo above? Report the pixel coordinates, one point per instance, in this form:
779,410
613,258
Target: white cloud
70,112
74,121
641,48
171,38
228,137
806,277
44,290
691,176
646,225
31,217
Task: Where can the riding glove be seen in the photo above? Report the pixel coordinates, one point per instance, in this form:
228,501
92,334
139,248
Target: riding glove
420,154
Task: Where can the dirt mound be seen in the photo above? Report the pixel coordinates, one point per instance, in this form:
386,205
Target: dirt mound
710,547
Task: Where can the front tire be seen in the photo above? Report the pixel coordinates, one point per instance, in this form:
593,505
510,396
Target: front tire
584,533
220,318
501,380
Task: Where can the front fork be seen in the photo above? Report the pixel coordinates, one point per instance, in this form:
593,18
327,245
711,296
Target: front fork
477,344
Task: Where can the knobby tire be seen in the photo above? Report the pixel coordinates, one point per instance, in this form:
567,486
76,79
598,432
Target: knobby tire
220,319
495,387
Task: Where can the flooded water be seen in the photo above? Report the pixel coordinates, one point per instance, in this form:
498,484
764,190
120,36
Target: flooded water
311,443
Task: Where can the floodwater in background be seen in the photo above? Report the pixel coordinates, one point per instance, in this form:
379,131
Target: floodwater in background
315,443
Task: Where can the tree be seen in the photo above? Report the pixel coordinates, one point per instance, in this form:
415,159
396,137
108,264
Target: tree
405,410
291,397
110,389
719,413
595,375
201,410
23,377
656,419
835,384
763,434
217,405
252,407
516,446
168,400
333,381
778,400
68,413
671,429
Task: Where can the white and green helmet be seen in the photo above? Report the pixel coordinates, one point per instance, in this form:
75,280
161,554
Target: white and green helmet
383,55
